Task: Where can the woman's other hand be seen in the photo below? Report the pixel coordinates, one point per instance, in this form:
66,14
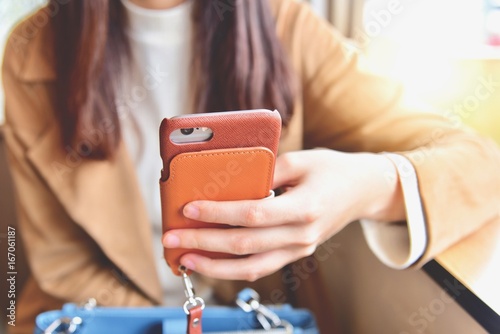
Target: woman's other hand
324,191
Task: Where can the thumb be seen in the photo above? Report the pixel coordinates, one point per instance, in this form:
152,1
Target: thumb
287,171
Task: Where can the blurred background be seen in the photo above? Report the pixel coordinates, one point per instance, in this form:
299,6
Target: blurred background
446,52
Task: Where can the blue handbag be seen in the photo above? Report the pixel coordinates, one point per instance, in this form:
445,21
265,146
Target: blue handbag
249,317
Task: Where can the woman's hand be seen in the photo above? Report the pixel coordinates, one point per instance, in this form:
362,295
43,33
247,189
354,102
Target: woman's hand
324,191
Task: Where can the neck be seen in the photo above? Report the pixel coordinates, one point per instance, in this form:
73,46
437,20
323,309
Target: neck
157,4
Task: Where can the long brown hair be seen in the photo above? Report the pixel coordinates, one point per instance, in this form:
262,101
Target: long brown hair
238,63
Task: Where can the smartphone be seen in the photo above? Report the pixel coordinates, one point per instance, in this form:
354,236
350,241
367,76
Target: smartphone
214,156
218,130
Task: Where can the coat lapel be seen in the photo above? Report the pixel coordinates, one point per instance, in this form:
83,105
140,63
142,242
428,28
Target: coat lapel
103,197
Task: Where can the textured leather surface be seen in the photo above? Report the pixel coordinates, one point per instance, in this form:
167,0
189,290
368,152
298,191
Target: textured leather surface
194,320
225,174
246,128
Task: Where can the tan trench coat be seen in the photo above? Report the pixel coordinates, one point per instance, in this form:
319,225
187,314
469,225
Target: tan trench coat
84,224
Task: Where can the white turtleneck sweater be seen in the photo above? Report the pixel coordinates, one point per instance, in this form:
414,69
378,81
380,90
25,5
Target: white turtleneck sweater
156,86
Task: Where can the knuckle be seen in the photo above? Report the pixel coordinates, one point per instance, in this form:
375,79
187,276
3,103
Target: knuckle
308,251
205,267
252,275
253,215
211,211
241,245
311,214
190,240
288,160
309,238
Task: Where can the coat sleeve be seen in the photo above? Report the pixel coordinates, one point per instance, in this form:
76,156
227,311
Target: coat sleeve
348,109
64,260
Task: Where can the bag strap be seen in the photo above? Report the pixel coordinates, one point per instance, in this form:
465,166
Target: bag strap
194,320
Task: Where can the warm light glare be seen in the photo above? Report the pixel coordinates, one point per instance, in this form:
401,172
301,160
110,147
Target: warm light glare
438,50
422,38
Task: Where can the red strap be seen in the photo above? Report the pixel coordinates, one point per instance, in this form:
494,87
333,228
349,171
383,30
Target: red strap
194,320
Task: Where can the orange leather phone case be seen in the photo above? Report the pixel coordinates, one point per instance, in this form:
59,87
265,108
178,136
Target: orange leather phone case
237,163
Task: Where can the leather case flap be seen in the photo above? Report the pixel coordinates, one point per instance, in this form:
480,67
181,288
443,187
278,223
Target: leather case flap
224,174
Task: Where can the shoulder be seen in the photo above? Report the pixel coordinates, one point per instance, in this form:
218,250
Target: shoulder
308,39
28,71
288,13
290,7
29,46
295,15
298,26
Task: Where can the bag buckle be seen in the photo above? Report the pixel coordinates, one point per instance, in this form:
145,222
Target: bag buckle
64,325
249,301
192,300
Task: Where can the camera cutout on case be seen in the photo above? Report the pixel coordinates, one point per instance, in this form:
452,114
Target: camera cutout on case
191,135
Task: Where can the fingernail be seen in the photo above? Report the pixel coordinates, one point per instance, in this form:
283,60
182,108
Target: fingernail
191,211
171,241
189,264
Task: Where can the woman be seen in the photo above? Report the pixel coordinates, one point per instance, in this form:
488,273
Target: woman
84,97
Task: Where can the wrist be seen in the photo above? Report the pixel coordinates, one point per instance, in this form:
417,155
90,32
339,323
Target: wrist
383,193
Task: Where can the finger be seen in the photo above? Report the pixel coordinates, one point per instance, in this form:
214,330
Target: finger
250,268
287,171
284,209
237,241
